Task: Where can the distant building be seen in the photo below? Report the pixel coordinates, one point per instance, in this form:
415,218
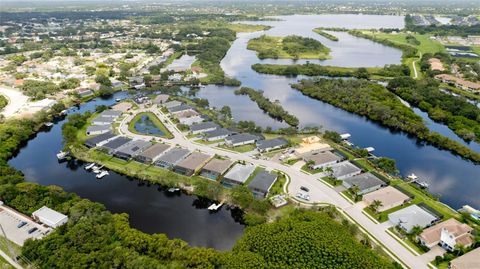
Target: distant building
409,217
241,139
84,92
161,99
203,127
49,217
271,144
152,153
172,157
172,104
215,168
238,174
98,129
459,82
217,134
191,120
191,164
447,234
262,183
179,109
100,140
322,159
366,183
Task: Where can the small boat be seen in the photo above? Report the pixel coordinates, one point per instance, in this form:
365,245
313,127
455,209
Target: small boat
63,112
89,166
423,184
97,169
102,174
62,155
215,207
412,177
49,124
118,100
173,189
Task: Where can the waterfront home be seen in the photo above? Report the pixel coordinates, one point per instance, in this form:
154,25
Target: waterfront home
116,143
344,170
136,82
100,140
192,164
366,182
469,260
447,234
131,149
311,145
389,196
241,139
203,127
171,104
321,159
172,157
101,120
409,217
262,183
110,113
152,153
215,168
190,120
271,144
238,174
98,129
459,82
122,107
84,92
49,217
161,99
116,83
217,134
179,109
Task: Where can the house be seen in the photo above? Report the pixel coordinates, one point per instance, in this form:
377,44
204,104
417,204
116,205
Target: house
241,139
412,216
136,82
322,159
238,174
84,92
172,157
101,120
217,134
311,145
179,109
152,153
366,183
191,120
122,107
262,182
389,196
100,140
344,170
191,164
459,82
49,217
98,129
171,104
161,99
203,127
131,149
116,83
271,144
116,143
110,113
215,168
447,234
470,260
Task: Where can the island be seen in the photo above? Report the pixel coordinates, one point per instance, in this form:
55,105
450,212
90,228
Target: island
289,47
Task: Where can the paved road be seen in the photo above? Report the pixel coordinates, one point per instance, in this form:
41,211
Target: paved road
319,192
16,100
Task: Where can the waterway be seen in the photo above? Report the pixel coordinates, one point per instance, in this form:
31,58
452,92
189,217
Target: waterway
151,208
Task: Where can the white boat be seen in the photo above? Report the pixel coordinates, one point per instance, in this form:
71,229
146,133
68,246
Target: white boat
102,174
49,124
89,166
62,155
412,177
423,184
215,207
118,100
97,170
173,189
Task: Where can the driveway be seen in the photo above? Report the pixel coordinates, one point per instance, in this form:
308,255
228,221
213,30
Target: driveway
16,101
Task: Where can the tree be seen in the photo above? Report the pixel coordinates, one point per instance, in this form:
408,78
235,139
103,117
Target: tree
103,79
375,205
362,72
386,164
226,111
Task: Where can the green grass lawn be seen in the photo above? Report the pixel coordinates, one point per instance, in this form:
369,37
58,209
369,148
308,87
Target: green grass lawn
156,121
407,241
427,45
292,161
277,187
273,47
254,173
307,169
205,142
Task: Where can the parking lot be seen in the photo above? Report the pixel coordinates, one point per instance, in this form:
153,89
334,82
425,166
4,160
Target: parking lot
10,219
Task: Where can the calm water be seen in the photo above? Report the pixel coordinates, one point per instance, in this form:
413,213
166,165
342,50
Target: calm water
145,126
456,180
151,209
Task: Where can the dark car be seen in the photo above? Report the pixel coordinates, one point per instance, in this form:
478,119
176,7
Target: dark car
304,189
32,230
21,224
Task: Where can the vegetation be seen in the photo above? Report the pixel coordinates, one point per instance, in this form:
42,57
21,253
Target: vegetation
376,103
39,89
158,124
274,110
325,34
3,102
289,47
441,30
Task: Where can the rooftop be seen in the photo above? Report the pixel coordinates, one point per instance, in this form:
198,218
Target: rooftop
412,216
218,132
172,104
203,126
239,138
49,214
271,143
263,181
388,196
323,157
453,226
117,142
179,108
134,147
194,161
122,107
218,166
364,181
344,168
240,173
154,150
99,138
174,155
468,260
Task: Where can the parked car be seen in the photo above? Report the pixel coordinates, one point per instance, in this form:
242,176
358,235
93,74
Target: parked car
21,224
32,230
305,189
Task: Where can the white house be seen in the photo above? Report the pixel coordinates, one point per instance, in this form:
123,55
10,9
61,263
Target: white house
49,217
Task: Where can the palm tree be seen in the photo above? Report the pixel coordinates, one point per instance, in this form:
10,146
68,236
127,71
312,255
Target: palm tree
329,170
354,190
375,205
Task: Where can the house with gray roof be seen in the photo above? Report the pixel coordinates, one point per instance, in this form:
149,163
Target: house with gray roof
217,134
409,217
366,182
161,99
172,157
238,174
179,109
152,153
344,170
190,120
203,127
101,120
192,164
215,168
322,159
100,140
131,149
241,139
98,129
116,143
110,113
271,144
262,183
171,104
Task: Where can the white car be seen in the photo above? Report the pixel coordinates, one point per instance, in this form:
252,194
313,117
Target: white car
303,196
